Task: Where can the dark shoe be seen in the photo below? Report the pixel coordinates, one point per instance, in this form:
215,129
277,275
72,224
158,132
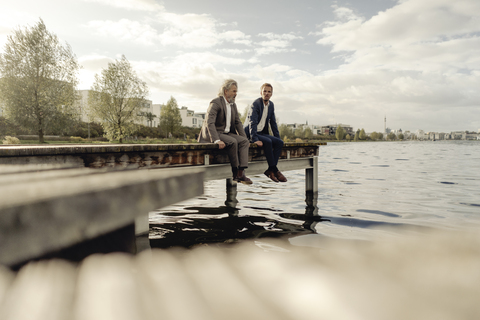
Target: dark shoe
280,177
271,175
242,178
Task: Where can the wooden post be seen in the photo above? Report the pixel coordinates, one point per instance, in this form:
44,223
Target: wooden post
231,201
311,176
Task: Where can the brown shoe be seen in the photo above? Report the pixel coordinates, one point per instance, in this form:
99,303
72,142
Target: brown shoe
242,178
280,177
271,175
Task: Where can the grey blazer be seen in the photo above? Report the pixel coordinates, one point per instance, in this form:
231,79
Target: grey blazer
215,121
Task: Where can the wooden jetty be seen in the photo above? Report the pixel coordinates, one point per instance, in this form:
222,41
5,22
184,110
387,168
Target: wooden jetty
62,197
54,198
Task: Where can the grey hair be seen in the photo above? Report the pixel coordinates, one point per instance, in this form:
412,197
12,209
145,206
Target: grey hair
226,86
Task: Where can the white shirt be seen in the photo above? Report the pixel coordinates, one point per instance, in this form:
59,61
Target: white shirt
263,119
228,116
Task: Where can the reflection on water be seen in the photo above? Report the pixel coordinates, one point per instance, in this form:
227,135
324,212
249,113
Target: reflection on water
367,191
224,224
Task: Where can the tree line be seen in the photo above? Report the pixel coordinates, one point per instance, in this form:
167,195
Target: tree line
38,81
341,134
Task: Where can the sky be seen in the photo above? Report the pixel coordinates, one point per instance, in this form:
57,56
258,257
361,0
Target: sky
415,62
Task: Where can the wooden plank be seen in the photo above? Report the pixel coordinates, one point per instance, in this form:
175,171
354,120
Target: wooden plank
139,156
435,274
45,214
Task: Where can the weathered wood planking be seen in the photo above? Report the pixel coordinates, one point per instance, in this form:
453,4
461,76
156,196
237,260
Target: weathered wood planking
44,210
429,276
138,155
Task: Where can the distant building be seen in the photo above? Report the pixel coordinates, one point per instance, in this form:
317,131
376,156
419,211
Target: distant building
332,129
191,119
82,107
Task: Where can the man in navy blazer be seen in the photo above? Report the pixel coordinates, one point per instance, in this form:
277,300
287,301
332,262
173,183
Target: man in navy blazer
260,115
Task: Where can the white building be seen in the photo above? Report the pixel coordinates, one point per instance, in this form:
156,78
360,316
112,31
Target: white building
191,119
82,105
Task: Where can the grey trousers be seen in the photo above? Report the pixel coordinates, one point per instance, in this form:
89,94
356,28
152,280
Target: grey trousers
237,149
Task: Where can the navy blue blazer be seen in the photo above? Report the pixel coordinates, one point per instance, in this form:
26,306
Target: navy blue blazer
254,116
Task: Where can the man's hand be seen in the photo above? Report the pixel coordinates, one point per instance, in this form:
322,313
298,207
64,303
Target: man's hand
221,144
259,143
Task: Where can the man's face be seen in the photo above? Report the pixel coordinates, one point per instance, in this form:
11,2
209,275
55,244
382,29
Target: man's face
266,93
231,93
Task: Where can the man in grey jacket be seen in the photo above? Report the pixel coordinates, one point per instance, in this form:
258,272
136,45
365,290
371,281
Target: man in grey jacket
223,126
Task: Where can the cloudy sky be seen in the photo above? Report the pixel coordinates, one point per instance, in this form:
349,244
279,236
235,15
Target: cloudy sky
417,62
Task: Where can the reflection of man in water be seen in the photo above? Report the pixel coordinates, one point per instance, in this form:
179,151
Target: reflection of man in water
222,126
260,116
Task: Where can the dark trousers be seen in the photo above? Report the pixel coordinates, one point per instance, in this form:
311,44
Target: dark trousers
272,148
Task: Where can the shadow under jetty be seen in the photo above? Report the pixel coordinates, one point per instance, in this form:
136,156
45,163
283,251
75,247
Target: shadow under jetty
194,226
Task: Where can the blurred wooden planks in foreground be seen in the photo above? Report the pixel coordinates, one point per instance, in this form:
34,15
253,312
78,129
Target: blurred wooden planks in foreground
430,276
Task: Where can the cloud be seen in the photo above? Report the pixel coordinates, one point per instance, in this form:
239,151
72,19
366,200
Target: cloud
408,22
125,30
169,29
91,65
188,30
276,43
417,55
142,5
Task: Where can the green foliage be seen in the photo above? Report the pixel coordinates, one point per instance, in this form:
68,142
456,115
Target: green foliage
339,133
38,80
299,132
380,136
117,99
348,137
374,136
391,136
356,138
362,135
308,134
11,140
170,118
401,136
150,117
285,131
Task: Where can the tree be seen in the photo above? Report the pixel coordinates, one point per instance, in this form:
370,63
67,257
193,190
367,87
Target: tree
308,134
380,136
339,133
401,136
374,136
357,134
150,116
170,118
348,137
39,79
285,131
391,136
117,99
299,132
362,135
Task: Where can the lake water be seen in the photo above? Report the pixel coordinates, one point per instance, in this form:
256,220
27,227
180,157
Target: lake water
368,191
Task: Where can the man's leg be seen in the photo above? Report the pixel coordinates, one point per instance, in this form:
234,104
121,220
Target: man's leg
231,146
268,150
243,145
237,150
272,148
